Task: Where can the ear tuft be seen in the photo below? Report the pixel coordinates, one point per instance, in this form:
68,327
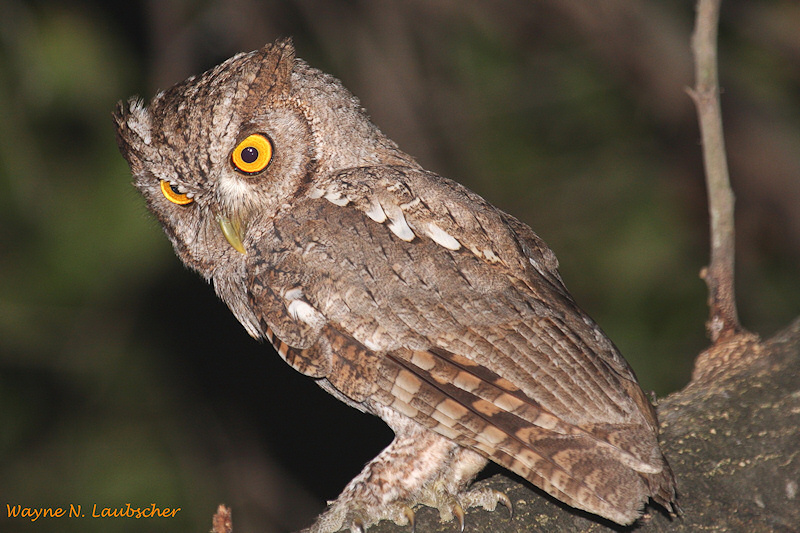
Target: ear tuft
134,131
277,62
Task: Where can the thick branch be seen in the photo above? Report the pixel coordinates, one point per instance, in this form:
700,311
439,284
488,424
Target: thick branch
719,276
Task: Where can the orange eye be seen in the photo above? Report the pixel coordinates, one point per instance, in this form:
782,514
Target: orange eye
253,154
173,195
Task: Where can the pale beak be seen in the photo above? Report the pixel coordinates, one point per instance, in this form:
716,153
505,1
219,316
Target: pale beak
232,232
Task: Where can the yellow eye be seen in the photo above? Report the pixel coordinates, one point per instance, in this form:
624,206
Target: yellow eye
173,195
253,154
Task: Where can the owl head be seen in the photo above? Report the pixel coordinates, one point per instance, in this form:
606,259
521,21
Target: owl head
220,154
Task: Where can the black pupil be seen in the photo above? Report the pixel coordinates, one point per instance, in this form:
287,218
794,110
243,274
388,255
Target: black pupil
175,189
249,154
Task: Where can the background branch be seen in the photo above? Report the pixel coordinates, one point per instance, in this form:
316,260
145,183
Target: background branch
719,275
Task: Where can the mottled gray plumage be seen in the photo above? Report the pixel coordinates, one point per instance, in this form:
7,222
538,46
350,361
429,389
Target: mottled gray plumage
401,292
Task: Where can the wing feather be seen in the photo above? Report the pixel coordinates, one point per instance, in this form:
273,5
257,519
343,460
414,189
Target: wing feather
480,342
519,435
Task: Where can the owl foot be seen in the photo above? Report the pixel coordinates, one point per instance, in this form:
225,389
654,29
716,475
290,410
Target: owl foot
452,505
487,499
356,518
418,468
345,514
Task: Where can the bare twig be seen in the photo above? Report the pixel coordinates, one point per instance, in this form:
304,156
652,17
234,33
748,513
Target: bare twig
222,521
719,275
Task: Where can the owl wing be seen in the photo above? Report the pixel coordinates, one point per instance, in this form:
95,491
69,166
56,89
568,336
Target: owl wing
424,298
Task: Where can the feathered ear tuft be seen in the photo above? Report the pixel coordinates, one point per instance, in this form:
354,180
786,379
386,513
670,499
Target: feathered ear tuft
133,127
283,47
274,76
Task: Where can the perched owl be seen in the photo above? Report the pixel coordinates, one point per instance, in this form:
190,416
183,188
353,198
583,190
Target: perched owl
400,292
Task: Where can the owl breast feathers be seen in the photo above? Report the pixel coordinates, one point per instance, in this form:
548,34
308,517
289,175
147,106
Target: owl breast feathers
401,292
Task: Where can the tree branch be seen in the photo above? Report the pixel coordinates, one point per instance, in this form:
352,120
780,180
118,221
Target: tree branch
719,275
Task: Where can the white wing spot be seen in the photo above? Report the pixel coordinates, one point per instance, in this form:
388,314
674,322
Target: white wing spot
315,193
446,431
489,254
400,227
293,294
336,198
507,402
302,311
466,381
441,237
406,386
409,205
376,212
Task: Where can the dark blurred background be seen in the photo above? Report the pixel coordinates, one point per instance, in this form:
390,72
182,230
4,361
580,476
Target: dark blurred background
123,379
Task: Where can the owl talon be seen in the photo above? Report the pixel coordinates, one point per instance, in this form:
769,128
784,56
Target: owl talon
503,499
412,518
458,512
357,526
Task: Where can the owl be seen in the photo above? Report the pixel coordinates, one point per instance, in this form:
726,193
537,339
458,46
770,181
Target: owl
400,292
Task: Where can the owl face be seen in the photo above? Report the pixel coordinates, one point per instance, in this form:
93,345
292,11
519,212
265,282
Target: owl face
219,155
212,153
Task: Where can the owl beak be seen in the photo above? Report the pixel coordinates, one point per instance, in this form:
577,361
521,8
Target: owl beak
232,232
